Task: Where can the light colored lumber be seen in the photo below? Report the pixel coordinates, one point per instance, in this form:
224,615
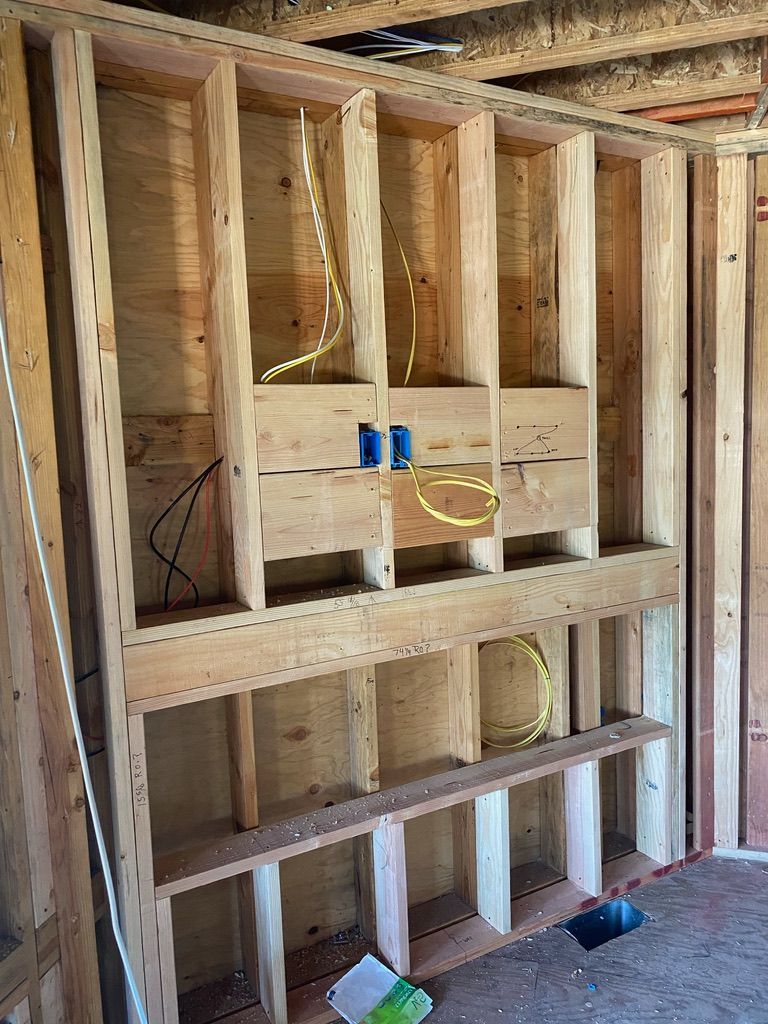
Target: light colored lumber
391,889
729,434
479,295
139,781
269,844
578,303
310,513
245,814
629,701
304,26
756,753
702,595
584,826
542,497
450,355
702,32
678,92
144,37
545,325
357,124
190,666
494,898
168,440
746,140
364,779
311,427
655,801
167,962
553,647
225,296
269,931
25,317
415,526
664,238
83,198
448,425
543,424
465,748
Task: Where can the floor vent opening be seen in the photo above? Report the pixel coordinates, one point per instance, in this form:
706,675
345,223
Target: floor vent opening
604,923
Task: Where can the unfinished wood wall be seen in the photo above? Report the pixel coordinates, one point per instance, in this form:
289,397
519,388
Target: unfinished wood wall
338,650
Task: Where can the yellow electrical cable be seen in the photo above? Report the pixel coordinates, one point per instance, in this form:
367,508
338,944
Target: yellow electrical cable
410,288
474,483
539,724
312,356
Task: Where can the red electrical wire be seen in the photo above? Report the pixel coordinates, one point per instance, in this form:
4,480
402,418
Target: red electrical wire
204,556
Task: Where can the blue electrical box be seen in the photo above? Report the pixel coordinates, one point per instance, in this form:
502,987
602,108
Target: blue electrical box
370,448
399,446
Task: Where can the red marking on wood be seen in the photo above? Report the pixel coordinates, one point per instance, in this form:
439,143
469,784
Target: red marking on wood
762,200
762,215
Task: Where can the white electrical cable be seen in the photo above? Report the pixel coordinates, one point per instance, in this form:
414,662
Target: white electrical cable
67,674
319,231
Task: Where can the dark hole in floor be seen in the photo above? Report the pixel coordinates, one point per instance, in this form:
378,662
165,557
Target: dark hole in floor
610,921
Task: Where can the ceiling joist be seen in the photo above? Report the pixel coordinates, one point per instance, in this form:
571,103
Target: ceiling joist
615,47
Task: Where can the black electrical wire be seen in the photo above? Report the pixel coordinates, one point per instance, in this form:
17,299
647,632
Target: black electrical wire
197,483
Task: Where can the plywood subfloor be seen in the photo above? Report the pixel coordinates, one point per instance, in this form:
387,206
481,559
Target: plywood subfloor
700,958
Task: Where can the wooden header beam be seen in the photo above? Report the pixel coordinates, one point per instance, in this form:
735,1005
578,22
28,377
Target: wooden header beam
225,858
176,46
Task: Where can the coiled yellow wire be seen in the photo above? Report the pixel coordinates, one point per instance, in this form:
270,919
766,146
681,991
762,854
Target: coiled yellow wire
443,479
539,724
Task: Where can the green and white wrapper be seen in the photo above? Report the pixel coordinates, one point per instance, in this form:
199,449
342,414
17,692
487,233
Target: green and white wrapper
372,994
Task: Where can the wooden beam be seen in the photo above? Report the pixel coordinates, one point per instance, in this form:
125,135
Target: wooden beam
198,665
664,242
584,826
245,814
494,896
465,748
391,885
553,647
137,35
215,136
269,931
26,324
676,93
479,290
756,754
97,368
364,779
269,844
311,23
702,594
578,304
543,229
729,435
702,32
167,962
357,125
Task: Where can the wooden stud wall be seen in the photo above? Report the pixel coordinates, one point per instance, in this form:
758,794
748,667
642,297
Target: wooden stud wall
292,727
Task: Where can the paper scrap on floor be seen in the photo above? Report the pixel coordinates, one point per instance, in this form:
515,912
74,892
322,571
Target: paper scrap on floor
372,994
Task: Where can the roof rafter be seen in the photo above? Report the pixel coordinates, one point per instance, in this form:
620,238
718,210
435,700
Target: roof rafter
591,51
337,18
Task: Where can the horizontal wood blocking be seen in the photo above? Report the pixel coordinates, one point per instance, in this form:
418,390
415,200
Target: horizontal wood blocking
541,424
269,844
298,427
302,427
413,526
542,497
447,425
187,662
312,513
